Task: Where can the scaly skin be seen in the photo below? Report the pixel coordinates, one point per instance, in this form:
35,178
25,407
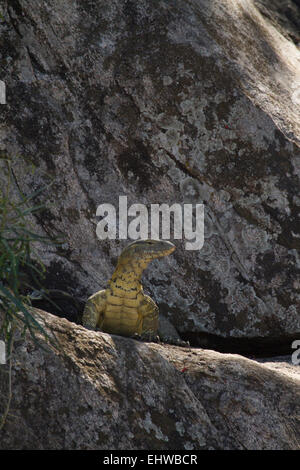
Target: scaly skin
123,308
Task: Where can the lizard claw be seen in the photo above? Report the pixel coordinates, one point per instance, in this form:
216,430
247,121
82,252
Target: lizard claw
147,337
175,341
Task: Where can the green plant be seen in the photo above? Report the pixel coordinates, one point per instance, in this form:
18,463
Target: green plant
19,264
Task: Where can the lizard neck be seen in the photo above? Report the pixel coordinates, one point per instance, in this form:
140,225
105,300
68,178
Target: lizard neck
128,275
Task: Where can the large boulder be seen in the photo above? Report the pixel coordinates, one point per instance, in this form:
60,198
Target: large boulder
107,392
165,102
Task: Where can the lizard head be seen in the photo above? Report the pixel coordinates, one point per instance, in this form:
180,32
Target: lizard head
147,249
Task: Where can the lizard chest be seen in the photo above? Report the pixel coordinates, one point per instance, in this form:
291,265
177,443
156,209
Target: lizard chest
121,312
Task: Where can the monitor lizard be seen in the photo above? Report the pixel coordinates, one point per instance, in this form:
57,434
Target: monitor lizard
123,308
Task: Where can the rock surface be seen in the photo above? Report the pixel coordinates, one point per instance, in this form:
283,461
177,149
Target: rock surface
284,15
164,102
283,364
109,392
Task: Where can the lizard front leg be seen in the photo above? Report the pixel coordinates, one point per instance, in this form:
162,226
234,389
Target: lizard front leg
93,314
147,328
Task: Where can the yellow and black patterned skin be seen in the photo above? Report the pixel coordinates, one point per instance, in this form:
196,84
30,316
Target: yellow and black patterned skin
123,308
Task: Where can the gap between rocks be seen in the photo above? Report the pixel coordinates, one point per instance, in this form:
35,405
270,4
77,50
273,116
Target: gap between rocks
249,347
